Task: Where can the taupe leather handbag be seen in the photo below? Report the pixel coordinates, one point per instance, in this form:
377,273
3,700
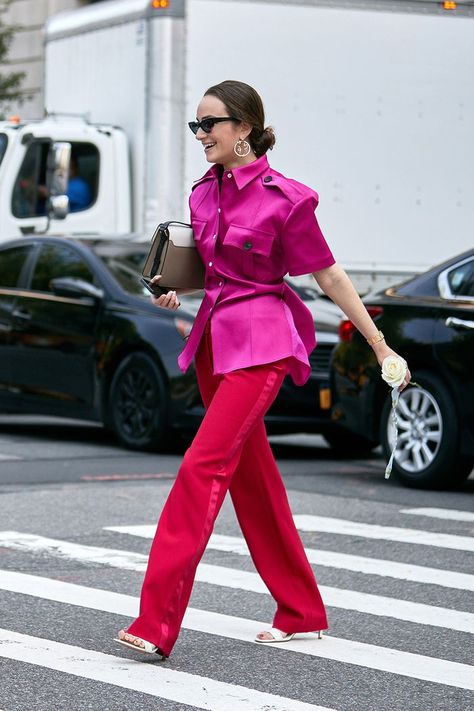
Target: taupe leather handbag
173,254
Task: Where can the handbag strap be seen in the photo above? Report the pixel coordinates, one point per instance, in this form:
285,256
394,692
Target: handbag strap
163,236
165,225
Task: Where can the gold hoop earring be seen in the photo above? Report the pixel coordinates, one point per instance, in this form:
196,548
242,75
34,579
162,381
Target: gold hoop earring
242,148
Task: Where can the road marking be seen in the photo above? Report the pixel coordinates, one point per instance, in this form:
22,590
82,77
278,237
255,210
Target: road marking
366,603
447,514
151,679
7,457
30,543
125,477
244,580
323,524
416,666
331,559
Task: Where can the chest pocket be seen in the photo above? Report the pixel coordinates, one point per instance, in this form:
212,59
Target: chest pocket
249,240
198,228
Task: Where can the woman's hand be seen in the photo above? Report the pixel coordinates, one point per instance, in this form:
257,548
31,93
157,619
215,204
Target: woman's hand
382,350
165,301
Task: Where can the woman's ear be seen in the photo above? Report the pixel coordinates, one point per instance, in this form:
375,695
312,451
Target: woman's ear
245,129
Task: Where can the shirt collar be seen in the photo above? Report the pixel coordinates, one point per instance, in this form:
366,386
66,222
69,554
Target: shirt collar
243,175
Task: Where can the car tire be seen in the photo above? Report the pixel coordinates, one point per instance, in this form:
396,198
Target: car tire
427,454
137,403
349,444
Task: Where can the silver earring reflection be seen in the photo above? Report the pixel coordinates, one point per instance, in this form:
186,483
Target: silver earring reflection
242,148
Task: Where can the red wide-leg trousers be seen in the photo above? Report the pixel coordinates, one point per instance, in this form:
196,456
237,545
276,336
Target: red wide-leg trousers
229,452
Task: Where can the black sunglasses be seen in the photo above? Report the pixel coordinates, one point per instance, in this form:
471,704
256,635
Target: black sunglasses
207,124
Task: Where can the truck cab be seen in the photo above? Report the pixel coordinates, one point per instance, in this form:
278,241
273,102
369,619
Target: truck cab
98,180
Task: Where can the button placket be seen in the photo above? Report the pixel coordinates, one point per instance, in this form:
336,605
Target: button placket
216,232
213,242
215,278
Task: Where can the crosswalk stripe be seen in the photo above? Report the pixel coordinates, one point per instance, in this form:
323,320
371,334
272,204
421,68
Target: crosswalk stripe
151,679
447,514
366,603
251,582
416,666
340,526
331,559
30,543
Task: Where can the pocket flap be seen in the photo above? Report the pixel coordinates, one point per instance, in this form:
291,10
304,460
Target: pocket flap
249,239
198,228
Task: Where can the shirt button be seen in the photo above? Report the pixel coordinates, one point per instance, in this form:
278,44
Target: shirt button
267,179
210,264
229,175
248,245
220,283
218,209
214,236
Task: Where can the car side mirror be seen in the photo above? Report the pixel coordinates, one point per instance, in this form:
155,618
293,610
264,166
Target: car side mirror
57,180
73,288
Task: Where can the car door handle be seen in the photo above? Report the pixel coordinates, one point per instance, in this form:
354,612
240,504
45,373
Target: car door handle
21,315
460,323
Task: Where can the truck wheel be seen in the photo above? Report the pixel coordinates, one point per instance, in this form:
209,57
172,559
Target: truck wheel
349,444
427,453
137,403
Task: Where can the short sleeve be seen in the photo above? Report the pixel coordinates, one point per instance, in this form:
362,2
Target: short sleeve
304,247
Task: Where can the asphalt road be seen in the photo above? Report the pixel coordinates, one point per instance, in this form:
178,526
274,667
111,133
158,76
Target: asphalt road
394,566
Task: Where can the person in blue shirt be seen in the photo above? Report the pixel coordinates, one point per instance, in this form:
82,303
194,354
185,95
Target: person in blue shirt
32,201
78,190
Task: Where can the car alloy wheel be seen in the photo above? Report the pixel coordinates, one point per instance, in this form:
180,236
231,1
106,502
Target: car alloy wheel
427,454
136,403
420,429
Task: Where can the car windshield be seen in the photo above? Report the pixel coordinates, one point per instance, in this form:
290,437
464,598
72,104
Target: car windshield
125,262
3,145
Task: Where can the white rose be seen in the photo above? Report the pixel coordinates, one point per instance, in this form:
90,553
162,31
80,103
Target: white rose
394,370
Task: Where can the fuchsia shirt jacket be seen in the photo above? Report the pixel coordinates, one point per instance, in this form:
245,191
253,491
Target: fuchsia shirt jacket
257,228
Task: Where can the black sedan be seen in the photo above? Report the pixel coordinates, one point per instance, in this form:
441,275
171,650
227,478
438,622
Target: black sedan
429,320
80,338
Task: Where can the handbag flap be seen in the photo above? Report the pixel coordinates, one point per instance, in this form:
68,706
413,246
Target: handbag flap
173,254
181,235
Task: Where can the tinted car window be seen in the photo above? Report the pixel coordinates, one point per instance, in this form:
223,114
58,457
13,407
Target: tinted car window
125,262
3,145
57,261
461,279
11,263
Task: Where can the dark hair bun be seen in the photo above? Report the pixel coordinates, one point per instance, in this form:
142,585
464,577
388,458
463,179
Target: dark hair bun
261,144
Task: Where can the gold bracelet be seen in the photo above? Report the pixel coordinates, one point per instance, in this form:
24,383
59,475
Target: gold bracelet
376,339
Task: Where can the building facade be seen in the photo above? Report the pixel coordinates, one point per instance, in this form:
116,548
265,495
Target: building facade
27,50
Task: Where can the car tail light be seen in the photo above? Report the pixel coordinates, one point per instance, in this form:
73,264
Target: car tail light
347,328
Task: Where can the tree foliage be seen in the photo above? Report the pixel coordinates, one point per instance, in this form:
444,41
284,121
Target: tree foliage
10,82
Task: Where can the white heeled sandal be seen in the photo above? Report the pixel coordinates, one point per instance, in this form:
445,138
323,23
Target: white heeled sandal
279,636
148,647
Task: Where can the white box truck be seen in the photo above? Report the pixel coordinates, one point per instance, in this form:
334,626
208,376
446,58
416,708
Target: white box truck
372,104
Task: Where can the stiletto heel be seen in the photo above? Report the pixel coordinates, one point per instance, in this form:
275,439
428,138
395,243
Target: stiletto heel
279,636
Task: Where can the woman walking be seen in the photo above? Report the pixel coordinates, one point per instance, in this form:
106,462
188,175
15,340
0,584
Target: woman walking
252,225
